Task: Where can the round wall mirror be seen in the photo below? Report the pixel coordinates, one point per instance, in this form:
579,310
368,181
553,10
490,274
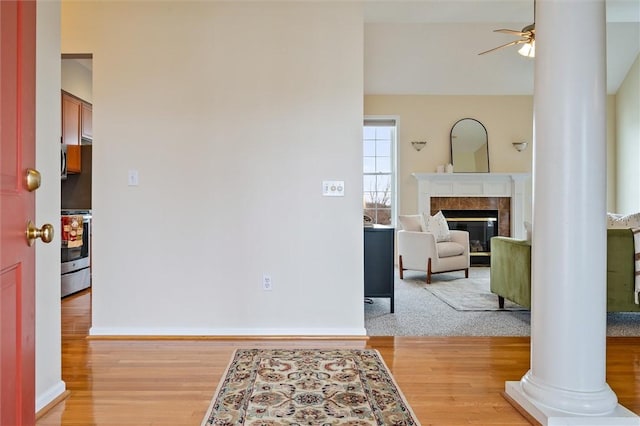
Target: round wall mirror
469,147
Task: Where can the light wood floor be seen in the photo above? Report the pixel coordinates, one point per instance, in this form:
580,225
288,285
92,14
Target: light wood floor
447,380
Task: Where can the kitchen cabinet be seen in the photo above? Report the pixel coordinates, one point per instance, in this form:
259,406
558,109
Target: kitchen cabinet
77,120
86,121
71,110
74,159
77,126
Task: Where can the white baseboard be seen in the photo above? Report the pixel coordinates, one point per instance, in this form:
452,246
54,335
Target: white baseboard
46,397
142,331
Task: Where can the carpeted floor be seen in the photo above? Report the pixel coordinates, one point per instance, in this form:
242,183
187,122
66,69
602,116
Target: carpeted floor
418,312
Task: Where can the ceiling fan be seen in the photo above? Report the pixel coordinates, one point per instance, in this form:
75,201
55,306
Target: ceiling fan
528,39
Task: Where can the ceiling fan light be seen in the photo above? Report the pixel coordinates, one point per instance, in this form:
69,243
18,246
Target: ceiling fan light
528,49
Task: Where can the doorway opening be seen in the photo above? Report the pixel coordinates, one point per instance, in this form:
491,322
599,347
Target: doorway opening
76,168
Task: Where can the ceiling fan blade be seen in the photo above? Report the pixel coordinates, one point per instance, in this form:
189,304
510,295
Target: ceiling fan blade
507,31
513,43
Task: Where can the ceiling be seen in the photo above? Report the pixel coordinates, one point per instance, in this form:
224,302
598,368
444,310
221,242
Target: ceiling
432,46
87,63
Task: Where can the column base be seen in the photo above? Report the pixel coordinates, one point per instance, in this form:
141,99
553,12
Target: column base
546,416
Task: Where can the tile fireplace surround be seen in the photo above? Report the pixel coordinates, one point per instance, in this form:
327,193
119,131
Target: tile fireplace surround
477,191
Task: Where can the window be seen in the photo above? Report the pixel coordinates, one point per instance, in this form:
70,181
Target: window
379,184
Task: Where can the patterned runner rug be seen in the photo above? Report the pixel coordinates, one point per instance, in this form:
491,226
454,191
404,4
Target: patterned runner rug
269,387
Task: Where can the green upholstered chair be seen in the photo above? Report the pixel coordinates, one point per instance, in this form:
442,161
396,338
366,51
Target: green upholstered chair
511,271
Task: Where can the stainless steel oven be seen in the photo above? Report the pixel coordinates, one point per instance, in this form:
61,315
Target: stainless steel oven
76,257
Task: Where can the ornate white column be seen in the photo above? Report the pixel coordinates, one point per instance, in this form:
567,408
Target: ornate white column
566,384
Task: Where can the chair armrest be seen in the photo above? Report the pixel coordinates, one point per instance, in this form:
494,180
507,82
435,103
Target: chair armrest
415,248
511,269
460,237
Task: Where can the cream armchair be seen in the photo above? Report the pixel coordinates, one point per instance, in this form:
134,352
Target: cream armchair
419,251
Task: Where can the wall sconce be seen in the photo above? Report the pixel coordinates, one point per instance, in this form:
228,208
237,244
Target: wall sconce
418,145
520,146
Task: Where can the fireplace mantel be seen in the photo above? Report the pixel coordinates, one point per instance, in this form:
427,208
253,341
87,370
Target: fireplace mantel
510,185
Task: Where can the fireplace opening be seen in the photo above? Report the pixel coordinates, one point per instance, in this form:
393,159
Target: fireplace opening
481,225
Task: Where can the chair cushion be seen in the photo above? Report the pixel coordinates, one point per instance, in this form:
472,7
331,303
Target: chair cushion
438,226
412,222
449,248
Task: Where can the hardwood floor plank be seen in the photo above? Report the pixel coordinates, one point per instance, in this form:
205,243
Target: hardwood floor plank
446,380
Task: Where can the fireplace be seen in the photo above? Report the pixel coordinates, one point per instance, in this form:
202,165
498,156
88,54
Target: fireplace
500,205
481,226
504,192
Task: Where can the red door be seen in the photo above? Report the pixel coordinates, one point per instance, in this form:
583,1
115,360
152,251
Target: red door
17,206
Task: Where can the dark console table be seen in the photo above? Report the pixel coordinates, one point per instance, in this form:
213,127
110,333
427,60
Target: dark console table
378,262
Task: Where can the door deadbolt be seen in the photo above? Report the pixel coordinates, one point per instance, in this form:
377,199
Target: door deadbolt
33,180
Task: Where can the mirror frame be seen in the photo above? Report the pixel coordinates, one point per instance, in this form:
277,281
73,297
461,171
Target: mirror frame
486,136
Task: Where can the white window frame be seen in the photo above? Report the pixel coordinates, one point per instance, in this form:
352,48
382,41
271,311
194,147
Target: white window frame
386,120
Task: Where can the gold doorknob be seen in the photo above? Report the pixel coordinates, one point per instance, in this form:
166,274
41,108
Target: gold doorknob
33,180
45,233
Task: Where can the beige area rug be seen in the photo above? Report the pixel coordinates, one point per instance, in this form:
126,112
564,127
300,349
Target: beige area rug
269,387
468,294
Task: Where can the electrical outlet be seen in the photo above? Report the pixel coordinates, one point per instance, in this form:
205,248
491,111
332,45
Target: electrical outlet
267,284
132,178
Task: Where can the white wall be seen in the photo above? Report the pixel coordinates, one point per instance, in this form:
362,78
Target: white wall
233,114
507,119
49,382
76,79
612,183
628,137
428,117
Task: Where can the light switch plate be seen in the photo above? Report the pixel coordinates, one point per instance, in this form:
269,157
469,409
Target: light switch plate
333,188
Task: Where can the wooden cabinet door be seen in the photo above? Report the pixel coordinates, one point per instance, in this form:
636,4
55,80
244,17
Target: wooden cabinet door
74,159
71,110
87,121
